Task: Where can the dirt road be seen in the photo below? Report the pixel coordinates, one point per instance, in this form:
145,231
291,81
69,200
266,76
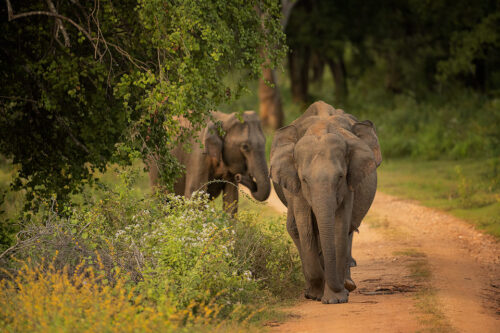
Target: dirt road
418,270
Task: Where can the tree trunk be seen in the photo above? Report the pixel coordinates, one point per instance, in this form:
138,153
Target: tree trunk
270,107
340,78
298,64
393,75
318,68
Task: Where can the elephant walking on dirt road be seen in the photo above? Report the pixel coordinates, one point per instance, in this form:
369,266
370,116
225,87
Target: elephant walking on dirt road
236,156
323,167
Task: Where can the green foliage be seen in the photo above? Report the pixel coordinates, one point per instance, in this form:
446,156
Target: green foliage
469,45
116,88
457,126
179,251
410,47
465,189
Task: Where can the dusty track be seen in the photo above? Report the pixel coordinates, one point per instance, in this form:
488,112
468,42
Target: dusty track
398,244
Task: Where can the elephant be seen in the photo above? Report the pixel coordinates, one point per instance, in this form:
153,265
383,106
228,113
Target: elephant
323,167
236,156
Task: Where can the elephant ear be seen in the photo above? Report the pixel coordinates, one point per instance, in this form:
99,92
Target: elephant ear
361,162
365,130
212,141
282,170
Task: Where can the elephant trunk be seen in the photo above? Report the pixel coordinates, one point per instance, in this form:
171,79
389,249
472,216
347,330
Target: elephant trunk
258,170
333,244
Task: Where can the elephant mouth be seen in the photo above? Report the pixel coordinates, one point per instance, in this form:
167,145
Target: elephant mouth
246,180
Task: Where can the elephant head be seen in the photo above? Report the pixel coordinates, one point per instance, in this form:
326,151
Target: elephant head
241,149
323,160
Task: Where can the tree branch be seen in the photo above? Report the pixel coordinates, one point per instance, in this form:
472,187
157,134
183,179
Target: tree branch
12,16
139,64
59,24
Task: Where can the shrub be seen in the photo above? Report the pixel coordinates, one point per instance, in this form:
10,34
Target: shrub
459,124
42,298
176,251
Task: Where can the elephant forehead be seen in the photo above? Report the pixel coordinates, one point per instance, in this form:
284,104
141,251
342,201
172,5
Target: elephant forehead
328,145
245,132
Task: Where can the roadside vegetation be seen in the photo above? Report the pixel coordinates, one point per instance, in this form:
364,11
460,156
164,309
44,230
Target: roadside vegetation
469,189
127,260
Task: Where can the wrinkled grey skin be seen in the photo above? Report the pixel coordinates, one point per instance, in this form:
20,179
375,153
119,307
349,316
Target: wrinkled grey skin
237,157
323,167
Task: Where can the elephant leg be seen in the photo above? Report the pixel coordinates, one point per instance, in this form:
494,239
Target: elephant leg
309,251
230,198
214,190
349,283
180,185
291,227
196,177
318,241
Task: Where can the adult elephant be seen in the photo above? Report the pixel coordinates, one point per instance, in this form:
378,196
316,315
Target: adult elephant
236,156
323,167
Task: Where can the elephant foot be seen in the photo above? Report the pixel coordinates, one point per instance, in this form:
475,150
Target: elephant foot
332,297
349,284
313,294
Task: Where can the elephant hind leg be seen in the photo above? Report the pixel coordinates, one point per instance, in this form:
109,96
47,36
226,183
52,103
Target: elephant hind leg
348,282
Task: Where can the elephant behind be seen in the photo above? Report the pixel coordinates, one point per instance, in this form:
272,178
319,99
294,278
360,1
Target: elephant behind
237,156
323,167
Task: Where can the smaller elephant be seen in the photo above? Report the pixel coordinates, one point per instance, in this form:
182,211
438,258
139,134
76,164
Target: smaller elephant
237,156
323,167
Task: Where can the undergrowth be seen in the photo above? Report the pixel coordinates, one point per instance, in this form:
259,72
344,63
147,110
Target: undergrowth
168,261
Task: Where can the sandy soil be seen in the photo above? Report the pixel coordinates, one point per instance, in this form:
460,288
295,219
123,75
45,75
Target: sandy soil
397,236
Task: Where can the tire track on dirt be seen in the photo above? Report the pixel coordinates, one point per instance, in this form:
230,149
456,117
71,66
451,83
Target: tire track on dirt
397,238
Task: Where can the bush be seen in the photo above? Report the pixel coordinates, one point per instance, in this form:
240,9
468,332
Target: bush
45,299
171,250
459,125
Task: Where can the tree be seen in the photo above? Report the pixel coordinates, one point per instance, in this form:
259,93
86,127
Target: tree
412,47
317,33
270,105
86,83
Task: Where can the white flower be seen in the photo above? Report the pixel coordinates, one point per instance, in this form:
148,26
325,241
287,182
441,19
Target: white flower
247,275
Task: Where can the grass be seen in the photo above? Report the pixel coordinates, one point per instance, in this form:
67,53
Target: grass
384,227
430,316
412,253
468,189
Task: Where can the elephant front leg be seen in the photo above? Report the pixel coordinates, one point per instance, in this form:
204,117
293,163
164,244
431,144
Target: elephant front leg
309,251
230,198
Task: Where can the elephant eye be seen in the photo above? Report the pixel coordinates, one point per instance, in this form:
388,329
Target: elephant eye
245,147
